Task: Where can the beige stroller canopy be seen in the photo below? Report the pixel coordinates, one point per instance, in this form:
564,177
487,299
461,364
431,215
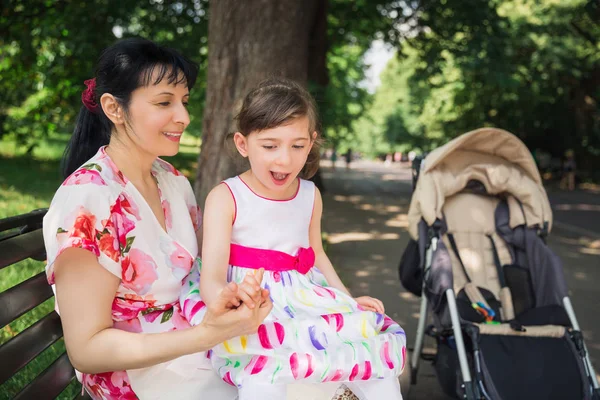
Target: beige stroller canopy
494,157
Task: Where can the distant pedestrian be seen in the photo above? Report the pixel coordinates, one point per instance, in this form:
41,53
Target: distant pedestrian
333,158
569,167
348,157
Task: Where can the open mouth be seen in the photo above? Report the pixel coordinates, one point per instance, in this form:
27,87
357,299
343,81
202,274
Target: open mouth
279,177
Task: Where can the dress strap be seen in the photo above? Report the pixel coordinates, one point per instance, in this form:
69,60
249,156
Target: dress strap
271,260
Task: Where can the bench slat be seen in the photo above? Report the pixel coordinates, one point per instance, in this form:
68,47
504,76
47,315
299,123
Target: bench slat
20,350
33,218
50,383
19,299
21,247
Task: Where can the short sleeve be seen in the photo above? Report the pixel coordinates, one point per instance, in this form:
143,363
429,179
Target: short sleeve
80,217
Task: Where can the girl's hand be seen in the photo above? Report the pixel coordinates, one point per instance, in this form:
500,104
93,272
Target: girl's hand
249,291
223,322
370,304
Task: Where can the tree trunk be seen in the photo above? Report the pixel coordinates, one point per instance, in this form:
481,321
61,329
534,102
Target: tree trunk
317,68
249,41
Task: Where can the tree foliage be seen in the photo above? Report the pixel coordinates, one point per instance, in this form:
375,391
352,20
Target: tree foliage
531,67
49,47
352,25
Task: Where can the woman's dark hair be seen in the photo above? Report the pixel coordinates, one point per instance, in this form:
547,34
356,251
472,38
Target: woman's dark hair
275,102
123,67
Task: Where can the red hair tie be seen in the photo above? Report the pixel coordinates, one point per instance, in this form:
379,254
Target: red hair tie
88,96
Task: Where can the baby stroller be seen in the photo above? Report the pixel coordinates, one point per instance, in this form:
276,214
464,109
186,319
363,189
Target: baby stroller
502,319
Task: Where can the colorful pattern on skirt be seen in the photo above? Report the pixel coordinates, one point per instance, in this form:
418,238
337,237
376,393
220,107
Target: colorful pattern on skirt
315,333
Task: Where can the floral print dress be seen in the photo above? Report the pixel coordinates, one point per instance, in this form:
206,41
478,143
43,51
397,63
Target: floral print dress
99,210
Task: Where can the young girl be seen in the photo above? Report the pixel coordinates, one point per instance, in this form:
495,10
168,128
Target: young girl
270,217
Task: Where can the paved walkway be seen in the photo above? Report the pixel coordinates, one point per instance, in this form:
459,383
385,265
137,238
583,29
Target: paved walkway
365,218
577,212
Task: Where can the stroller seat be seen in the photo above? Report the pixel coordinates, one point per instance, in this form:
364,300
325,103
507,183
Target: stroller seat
470,219
479,255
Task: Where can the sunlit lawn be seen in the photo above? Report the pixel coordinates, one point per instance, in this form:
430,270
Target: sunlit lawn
28,182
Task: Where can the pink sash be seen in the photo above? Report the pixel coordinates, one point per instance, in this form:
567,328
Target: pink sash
271,260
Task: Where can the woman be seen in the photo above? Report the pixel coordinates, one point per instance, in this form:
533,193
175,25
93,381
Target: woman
123,231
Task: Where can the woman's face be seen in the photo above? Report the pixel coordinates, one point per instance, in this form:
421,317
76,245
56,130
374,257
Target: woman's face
158,116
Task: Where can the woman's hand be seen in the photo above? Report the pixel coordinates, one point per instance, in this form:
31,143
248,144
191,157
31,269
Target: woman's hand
224,322
370,304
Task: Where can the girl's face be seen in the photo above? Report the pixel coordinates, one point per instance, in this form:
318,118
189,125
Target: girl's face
277,156
158,116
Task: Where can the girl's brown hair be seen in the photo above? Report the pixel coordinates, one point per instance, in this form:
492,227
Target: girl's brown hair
276,102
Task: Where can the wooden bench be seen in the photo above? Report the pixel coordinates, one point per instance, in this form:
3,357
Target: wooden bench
21,238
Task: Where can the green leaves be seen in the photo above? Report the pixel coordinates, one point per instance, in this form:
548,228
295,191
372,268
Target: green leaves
166,316
531,67
91,166
48,48
128,243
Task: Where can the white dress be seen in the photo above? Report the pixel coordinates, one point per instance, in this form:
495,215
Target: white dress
315,333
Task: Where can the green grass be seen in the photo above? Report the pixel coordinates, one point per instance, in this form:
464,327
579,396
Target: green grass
28,182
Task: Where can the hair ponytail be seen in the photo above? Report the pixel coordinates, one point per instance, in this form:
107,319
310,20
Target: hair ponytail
92,131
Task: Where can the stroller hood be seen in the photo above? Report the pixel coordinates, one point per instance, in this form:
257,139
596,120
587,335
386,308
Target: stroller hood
498,160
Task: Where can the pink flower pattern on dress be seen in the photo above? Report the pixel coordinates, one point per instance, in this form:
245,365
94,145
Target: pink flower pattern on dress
165,166
181,262
86,174
166,207
196,215
113,223
139,271
109,385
